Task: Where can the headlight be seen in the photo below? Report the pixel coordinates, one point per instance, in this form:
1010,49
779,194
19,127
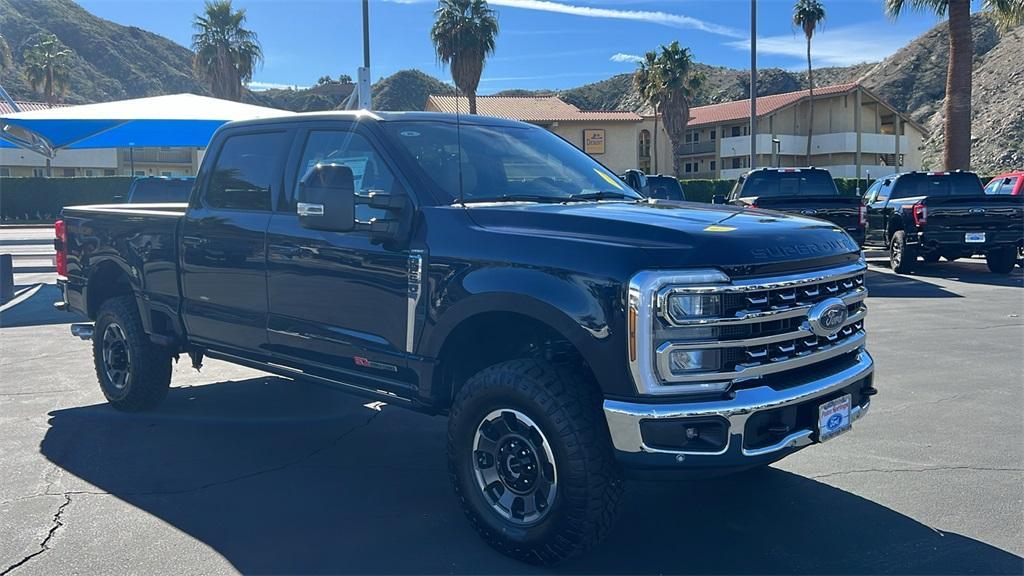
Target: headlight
688,361
684,307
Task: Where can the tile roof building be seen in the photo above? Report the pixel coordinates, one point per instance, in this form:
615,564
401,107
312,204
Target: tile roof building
854,133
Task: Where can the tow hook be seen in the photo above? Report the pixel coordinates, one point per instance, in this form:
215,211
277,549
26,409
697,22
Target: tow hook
83,331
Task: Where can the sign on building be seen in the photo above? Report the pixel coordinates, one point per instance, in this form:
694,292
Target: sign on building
593,140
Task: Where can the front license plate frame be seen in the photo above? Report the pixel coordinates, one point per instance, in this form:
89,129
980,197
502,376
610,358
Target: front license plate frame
834,417
974,238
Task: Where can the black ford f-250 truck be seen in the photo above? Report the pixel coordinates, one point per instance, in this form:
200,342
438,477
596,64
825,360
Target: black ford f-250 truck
942,214
489,271
804,191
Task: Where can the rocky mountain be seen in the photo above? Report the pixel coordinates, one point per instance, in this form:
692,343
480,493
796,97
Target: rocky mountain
109,61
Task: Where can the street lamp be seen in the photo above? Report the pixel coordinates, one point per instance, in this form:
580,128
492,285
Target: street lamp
753,84
776,151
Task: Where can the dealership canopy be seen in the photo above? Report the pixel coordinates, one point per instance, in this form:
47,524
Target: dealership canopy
174,120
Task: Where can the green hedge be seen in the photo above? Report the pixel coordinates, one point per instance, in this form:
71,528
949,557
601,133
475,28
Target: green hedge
703,190
42,199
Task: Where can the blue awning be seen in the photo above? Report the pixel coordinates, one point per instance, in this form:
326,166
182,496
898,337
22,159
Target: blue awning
174,120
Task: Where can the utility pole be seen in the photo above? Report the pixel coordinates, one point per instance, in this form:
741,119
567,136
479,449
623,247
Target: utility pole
363,82
753,84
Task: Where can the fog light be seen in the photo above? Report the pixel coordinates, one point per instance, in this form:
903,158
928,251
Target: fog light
683,307
686,361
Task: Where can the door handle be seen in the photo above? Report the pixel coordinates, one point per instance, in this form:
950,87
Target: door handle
193,241
285,250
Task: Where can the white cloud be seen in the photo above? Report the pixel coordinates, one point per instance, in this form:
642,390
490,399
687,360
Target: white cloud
831,47
623,57
649,16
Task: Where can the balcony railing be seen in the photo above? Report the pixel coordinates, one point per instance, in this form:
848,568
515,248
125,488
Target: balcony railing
149,155
706,147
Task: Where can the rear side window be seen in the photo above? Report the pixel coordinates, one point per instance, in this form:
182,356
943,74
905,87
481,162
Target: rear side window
768,183
914,185
242,178
664,188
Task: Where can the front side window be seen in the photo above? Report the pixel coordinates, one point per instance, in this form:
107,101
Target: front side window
242,178
872,192
369,171
478,163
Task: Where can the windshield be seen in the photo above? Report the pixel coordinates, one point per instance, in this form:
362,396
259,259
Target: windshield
158,190
769,183
505,163
914,185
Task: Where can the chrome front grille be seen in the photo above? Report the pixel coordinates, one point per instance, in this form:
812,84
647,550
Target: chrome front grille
762,326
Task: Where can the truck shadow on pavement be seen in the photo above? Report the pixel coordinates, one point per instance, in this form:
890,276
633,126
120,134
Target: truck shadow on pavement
37,310
917,284
285,477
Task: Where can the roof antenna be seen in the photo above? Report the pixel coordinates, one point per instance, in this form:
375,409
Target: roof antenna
458,131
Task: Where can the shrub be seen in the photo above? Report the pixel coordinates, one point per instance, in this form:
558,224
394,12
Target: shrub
42,199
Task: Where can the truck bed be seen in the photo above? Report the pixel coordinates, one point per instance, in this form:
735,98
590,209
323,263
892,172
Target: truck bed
138,239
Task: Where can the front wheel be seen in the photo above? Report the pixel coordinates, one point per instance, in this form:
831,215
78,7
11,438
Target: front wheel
531,460
134,373
902,257
1002,260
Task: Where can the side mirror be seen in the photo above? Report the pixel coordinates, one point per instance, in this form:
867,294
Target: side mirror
636,179
718,199
327,199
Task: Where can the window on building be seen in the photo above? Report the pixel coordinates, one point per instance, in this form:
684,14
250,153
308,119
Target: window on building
737,131
737,162
109,172
712,166
645,144
243,175
140,172
89,172
696,137
68,172
714,133
689,137
5,172
688,167
38,172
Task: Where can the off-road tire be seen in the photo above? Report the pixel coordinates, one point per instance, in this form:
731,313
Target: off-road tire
902,258
567,411
148,372
1001,261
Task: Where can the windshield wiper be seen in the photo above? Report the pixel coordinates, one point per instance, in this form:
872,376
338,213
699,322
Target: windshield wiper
602,195
515,198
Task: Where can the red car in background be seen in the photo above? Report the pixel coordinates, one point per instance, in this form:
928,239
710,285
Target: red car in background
1009,184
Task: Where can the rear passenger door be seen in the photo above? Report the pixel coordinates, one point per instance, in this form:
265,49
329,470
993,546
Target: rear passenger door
223,241
340,303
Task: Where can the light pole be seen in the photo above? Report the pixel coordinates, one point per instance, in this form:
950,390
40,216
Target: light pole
776,150
753,84
363,81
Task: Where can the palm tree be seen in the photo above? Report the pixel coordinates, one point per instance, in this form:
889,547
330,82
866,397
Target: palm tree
807,14
463,36
957,127
226,54
646,85
6,56
670,81
46,67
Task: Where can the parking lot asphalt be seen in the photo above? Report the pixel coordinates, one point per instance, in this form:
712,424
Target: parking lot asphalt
243,472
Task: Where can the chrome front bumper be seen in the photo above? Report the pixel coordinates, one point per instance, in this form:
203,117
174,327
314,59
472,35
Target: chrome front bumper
624,417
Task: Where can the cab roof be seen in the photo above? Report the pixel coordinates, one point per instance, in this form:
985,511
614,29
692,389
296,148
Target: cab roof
375,116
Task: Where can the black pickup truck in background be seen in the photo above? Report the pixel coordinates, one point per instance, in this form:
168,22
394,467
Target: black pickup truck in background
159,189
655,186
487,270
942,214
807,192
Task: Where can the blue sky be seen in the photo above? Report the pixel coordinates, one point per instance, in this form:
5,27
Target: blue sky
542,44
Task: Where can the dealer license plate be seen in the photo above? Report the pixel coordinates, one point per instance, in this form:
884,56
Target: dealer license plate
974,237
834,418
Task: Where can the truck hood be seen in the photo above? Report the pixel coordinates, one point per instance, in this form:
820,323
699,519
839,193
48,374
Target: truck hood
675,234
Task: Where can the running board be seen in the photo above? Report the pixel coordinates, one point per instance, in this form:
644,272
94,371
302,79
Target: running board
288,372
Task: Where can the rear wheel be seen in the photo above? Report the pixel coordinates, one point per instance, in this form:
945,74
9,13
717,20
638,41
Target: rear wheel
531,460
134,373
902,257
1002,260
